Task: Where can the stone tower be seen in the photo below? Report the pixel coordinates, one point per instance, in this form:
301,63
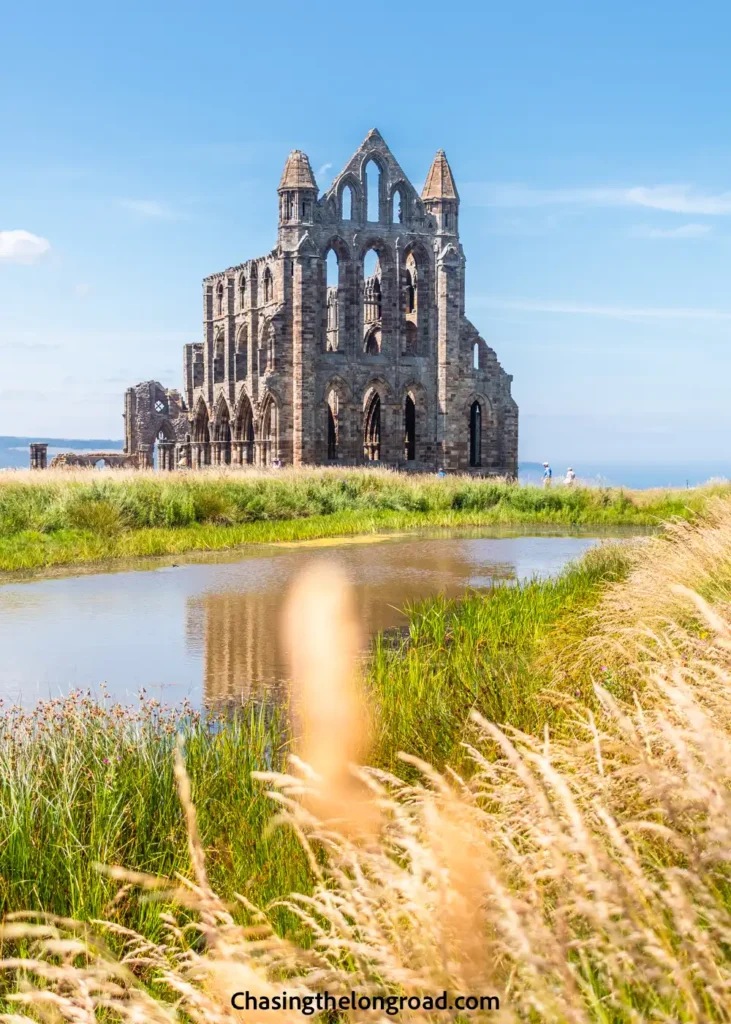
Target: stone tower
348,343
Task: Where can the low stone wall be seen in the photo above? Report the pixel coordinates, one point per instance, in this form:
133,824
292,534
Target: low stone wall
88,460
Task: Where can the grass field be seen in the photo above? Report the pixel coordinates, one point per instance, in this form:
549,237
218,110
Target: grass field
72,517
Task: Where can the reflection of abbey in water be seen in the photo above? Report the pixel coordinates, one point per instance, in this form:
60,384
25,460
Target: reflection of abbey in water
238,631
347,343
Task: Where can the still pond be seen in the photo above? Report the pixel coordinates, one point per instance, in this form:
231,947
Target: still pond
209,630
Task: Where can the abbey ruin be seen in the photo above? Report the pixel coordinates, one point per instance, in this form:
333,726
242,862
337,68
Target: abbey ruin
346,344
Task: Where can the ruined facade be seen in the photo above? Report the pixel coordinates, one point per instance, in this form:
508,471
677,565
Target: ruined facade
346,344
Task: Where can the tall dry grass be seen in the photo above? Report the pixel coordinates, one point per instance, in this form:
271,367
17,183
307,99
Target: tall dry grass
582,880
663,608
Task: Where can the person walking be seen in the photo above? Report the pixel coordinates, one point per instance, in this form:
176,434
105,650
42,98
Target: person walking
570,477
547,474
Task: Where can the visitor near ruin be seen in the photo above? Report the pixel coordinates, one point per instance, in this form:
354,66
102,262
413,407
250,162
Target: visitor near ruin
347,344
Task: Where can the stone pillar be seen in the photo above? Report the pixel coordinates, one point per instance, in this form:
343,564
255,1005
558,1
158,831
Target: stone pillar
38,455
144,457
166,455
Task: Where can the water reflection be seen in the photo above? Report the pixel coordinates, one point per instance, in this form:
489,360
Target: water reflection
210,631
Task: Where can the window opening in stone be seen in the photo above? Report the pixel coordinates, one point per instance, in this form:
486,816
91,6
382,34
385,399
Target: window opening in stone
245,431
219,299
223,437
397,213
372,430
373,190
347,203
476,356
409,429
218,358
332,303
372,345
475,434
269,434
372,298
332,426
411,306
242,352
267,285
242,292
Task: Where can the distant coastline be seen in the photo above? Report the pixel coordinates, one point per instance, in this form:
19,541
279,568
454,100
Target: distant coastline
15,451
15,454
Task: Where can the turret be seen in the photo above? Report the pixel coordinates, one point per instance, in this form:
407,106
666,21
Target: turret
440,195
297,191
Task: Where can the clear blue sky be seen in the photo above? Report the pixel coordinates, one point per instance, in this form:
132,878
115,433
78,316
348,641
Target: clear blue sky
142,145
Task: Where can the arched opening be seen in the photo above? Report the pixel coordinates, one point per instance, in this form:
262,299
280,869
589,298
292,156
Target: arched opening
373,190
372,344
372,429
266,347
409,429
201,437
269,432
411,306
397,207
100,464
242,352
219,348
163,454
372,301
244,430
332,285
346,201
332,426
268,286
242,291
222,436
475,434
410,292
219,299
254,286
476,356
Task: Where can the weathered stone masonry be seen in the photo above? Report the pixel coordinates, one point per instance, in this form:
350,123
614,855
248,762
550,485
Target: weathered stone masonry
347,343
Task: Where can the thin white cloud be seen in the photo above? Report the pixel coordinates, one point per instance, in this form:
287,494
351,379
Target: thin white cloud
615,312
323,170
149,208
685,231
22,247
670,198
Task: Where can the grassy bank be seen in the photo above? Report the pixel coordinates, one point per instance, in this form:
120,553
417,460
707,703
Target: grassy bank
82,784
575,874
64,518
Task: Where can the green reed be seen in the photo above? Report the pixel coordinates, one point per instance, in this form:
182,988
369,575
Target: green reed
84,782
59,519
